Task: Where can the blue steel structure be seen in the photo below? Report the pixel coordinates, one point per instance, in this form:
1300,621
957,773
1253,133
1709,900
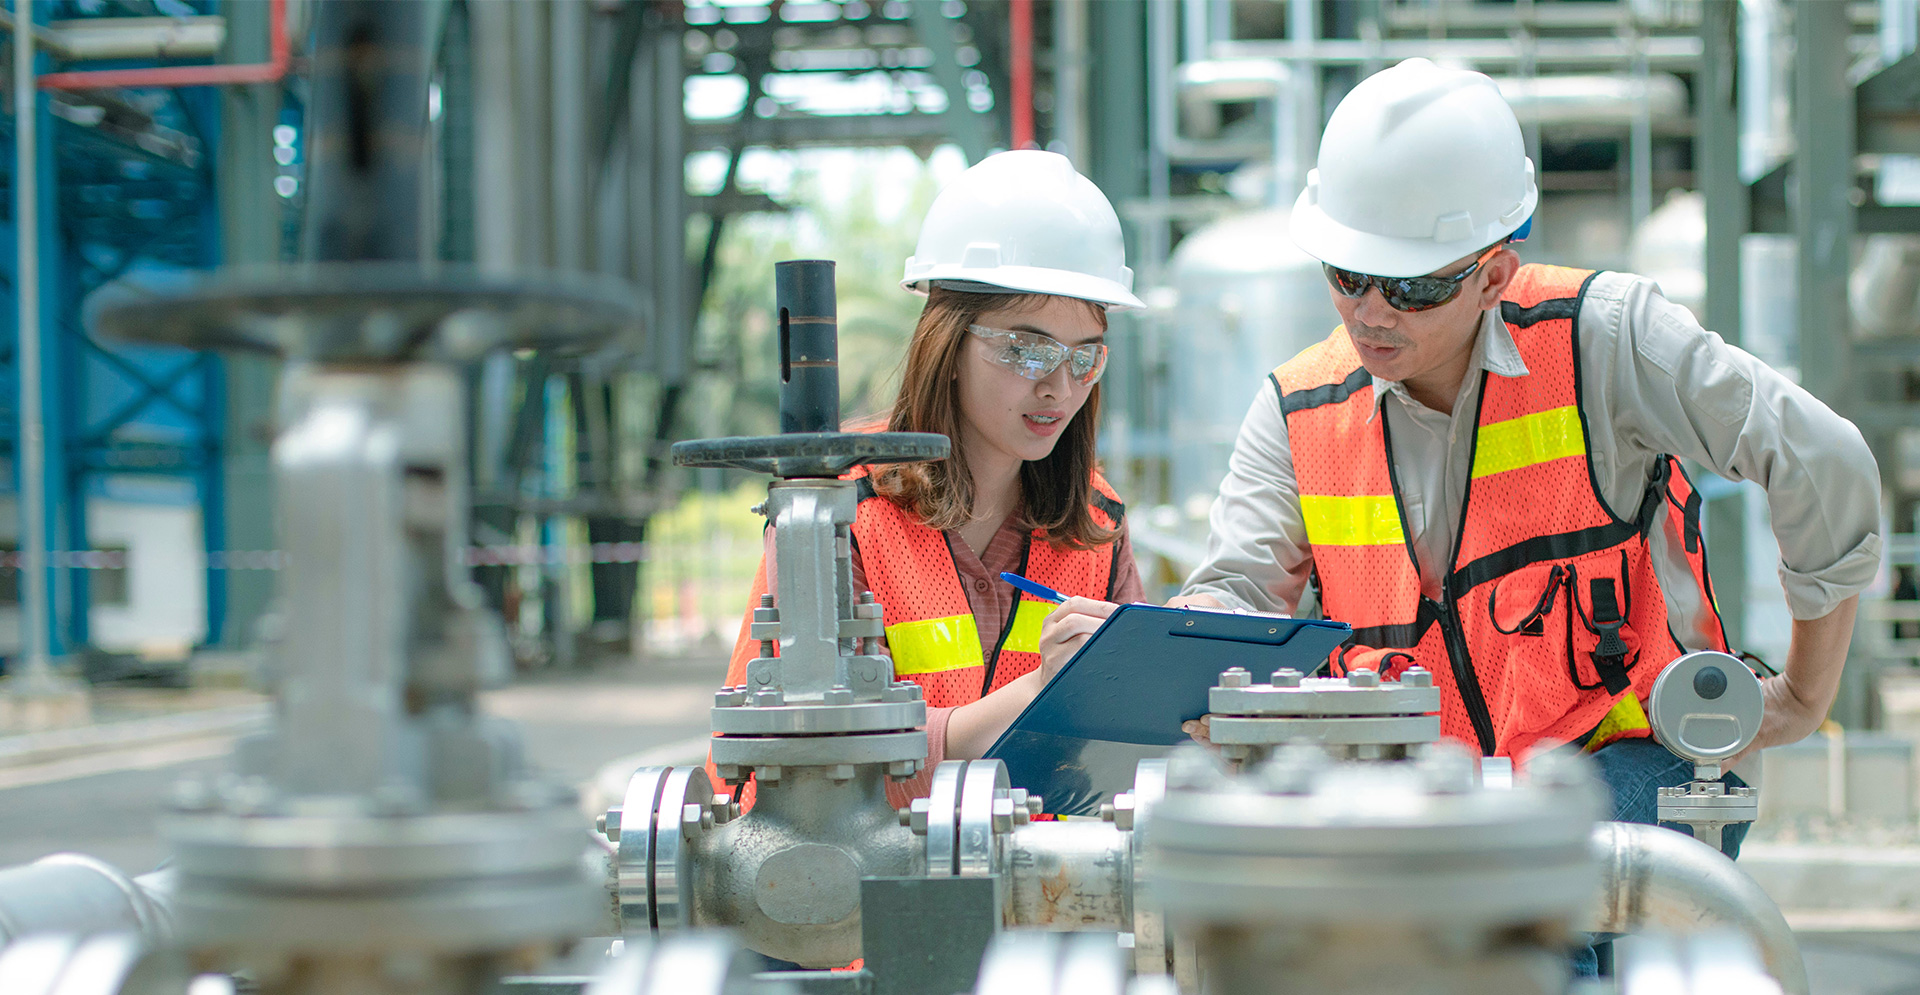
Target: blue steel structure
113,207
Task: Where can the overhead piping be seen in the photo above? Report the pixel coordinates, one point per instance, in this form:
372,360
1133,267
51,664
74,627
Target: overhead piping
271,71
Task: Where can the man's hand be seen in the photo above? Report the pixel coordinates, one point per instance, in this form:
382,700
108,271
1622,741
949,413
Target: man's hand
1067,629
1798,699
1200,729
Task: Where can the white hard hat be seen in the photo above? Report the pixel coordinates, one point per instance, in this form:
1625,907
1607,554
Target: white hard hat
1419,166
1023,222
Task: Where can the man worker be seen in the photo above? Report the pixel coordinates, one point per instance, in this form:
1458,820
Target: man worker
1477,470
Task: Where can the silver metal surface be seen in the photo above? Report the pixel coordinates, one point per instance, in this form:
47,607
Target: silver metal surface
1150,948
943,820
105,964
809,519
1377,730
682,817
1705,707
984,784
704,963
78,895
787,874
1327,697
819,751
817,720
1655,880
1705,964
1069,876
1032,963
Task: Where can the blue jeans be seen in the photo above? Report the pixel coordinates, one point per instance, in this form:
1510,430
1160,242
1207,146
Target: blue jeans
1634,770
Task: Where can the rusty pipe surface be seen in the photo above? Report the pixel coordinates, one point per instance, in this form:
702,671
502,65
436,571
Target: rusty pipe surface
1069,877
1657,880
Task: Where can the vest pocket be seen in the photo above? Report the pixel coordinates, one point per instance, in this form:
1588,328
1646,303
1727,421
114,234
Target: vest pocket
1584,603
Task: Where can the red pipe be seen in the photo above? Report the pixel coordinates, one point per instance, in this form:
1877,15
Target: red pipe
271,71
1020,37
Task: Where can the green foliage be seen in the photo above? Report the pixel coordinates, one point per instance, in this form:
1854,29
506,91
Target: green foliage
876,316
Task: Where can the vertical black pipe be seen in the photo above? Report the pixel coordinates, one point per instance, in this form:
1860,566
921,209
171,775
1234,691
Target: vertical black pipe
366,131
809,346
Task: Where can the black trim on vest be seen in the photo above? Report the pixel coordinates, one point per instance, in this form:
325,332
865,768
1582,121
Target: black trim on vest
863,489
1405,635
1113,569
1333,393
1548,310
1006,628
1559,546
1114,510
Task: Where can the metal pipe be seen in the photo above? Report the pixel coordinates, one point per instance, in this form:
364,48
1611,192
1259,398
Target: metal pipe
34,617
1020,40
1070,876
1070,79
74,893
271,71
1659,880
809,346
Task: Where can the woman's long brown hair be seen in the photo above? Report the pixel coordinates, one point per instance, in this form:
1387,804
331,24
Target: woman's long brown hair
1055,491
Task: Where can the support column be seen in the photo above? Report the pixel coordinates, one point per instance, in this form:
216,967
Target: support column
1716,146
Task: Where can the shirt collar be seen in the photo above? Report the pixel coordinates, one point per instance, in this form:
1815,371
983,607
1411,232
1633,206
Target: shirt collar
1494,351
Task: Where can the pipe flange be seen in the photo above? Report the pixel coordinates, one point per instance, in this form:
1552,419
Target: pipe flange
1364,730
986,811
943,819
1321,697
748,719
1150,948
819,751
665,812
811,454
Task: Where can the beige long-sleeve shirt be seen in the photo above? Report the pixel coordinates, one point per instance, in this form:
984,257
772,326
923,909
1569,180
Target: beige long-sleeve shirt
1655,383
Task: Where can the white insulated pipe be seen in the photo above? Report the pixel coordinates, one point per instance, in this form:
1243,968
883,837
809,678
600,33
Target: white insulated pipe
76,894
1658,880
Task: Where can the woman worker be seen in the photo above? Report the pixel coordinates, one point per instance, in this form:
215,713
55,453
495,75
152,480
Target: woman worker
1020,260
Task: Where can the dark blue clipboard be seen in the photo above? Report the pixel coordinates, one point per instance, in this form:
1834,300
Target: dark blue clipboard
1122,698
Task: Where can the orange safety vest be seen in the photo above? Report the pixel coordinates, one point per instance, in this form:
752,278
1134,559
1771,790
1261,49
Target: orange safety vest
1551,625
931,632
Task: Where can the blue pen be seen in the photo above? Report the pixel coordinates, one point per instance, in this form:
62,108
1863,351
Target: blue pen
1035,589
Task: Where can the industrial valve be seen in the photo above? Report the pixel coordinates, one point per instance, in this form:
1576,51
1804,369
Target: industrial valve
1706,707
1358,717
820,726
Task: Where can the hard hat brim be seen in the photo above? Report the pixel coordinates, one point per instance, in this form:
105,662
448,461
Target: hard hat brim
1032,280
1337,245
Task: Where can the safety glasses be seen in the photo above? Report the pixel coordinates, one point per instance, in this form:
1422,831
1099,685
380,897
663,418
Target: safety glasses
1035,356
1406,293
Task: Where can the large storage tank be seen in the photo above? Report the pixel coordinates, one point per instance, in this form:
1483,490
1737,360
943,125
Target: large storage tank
1248,300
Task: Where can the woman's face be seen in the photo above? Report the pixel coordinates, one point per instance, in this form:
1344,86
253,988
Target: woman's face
1003,412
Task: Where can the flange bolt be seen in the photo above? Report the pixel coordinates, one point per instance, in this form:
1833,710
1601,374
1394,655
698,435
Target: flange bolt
1236,677
1416,677
1363,679
1286,677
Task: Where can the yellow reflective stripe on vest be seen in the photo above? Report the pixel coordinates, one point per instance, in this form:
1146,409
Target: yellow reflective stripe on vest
1528,439
935,644
1024,635
1367,520
1625,716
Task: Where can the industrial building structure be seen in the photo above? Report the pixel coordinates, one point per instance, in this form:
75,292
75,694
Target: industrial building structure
369,343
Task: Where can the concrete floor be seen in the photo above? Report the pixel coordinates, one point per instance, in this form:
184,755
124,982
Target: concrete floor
574,726
571,727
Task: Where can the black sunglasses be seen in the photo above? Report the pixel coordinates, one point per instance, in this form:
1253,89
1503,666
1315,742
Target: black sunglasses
1406,293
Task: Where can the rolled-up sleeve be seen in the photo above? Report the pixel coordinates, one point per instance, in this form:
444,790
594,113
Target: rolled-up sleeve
1257,553
1681,389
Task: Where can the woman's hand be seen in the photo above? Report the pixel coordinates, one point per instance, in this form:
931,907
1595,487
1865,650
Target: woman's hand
1200,729
1195,601
1067,629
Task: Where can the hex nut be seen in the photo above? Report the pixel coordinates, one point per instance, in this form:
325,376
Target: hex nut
729,698
1107,811
769,698
770,772
839,694
1123,810
1286,677
917,816
1416,677
1236,677
840,772
900,770
609,824
1364,679
730,773
1002,814
898,692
